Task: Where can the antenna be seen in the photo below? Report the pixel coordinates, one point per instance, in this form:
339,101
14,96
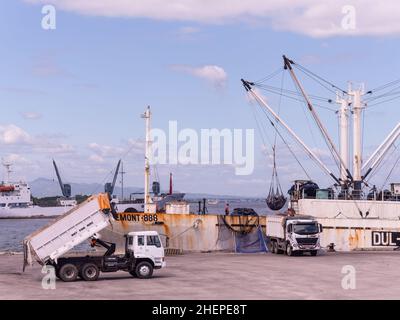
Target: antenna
7,166
122,172
170,183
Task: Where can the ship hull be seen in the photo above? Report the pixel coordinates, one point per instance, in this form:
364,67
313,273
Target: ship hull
355,224
188,232
32,212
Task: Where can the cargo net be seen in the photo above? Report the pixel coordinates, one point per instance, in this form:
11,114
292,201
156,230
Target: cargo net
244,237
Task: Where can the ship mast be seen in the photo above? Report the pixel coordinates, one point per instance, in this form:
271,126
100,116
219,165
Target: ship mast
7,166
147,198
357,139
343,115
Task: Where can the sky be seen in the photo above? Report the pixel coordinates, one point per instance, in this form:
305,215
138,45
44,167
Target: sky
75,93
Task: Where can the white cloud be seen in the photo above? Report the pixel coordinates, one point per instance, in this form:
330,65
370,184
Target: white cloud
105,151
14,137
53,147
187,31
14,158
96,158
11,134
311,17
211,73
31,115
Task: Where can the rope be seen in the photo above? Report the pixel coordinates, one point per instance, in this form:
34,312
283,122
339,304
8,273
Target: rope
312,74
285,142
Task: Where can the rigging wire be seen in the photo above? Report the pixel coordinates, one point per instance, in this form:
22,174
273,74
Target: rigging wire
321,130
391,170
251,98
300,100
387,85
384,95
272,88
382,102
382,162
314,75
270,76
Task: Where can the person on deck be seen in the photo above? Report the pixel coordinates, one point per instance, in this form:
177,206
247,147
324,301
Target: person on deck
227,209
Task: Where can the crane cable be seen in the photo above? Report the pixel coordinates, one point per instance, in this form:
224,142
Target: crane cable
250,99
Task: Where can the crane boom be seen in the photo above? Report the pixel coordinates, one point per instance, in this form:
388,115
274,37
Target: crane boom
247,85
59,179
288,65
115,176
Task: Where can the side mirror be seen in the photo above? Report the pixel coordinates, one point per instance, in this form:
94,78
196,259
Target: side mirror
320,227
289,228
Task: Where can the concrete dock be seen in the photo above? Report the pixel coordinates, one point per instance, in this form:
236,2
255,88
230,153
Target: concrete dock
225,276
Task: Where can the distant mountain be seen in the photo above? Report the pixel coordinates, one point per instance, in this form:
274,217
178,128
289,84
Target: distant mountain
43,187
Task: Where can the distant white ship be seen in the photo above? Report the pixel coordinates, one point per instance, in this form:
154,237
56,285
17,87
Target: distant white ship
15,201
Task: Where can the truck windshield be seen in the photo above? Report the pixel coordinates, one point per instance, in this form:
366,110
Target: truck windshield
153,241
303,228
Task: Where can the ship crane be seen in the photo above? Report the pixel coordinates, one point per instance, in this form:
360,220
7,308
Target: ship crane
352,104
345,178
65,188
249,88
381,151
109,186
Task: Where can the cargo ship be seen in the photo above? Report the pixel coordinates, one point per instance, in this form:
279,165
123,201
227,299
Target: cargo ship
354,213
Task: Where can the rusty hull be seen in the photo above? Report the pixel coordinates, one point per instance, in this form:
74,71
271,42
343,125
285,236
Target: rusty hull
189,232
192,232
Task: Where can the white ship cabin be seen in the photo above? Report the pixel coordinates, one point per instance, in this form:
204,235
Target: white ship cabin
15,195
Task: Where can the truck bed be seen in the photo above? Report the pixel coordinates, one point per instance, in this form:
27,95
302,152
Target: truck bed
61,235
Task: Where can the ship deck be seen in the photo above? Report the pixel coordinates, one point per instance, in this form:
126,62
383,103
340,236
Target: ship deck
223,276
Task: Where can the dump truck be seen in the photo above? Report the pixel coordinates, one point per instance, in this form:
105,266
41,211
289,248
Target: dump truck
293,234
144,251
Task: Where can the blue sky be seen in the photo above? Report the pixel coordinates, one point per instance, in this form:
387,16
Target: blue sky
76,93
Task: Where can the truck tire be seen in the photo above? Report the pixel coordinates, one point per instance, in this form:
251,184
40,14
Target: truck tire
90,272
289,250
314,252
144,270
68,272
278,251
274,247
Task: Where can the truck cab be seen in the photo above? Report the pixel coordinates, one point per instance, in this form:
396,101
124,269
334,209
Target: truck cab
293,234
303,235
146,245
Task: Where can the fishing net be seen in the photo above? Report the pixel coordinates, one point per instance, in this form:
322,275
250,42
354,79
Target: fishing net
251,242
245,236
275,199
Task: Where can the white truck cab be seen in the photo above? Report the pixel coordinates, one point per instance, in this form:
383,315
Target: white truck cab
147,244
293,234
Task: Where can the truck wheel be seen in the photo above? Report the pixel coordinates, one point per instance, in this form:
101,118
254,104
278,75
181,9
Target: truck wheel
278,251
289,250
314,252
144,270
90,272
68,272
273,247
